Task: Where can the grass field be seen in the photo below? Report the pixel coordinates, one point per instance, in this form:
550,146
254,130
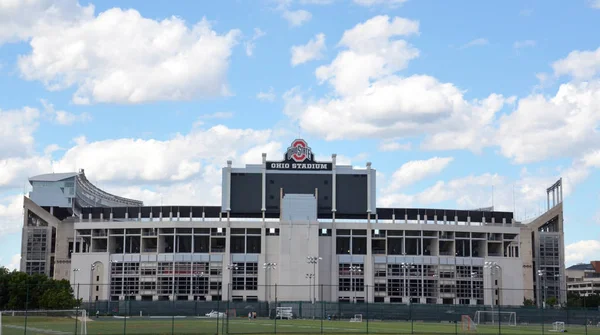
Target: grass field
191,325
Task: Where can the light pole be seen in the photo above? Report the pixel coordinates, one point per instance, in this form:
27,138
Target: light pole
541,274
314,260
353,270
75,281
473,275
231,267
268,267
92,268
310,276
404,267
495,269
197,276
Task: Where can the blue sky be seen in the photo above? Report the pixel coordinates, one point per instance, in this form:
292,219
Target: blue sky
449,99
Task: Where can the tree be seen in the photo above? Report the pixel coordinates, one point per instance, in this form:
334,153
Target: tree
528,302
19,290
552,301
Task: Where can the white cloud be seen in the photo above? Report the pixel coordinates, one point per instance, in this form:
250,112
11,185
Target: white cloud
578,64
16,131
11,214
369,3
250,44
524,44
415,171
373,51
466,192
137,60
312,50
475,42
63,117
582,251
296,18
15,262
562,125
266,96
392,145
410,106
20,20
178,159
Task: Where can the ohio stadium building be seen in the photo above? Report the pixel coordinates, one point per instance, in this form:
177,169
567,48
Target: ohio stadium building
289,223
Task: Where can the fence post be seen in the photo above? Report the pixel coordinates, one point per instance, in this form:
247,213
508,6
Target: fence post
322,308
26,304
128,302
77,309
542,305
275,319
585,315
412,327
499,307
367,308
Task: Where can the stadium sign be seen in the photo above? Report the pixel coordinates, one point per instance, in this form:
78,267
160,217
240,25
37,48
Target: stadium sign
299,156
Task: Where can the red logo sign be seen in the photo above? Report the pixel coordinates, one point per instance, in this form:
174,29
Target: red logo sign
299,151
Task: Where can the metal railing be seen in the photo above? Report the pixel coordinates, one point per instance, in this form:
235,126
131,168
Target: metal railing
224,311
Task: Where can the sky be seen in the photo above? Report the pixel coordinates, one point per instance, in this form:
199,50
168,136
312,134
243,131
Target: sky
457,104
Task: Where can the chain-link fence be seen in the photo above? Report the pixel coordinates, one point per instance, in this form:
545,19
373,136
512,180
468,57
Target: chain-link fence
320,309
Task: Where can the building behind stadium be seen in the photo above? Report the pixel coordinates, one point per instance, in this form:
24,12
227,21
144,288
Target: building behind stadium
290,222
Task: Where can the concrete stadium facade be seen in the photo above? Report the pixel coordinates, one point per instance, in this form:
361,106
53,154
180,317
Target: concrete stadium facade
295,229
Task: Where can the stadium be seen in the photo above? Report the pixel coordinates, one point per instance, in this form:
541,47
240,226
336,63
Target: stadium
291,237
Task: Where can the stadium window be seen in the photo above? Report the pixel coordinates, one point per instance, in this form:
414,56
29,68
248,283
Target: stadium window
359,245
253,244
325,232
97,288
238,245
343,245
97,278
251,283
272,232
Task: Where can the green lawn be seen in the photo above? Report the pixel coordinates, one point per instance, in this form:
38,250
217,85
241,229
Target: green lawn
191,325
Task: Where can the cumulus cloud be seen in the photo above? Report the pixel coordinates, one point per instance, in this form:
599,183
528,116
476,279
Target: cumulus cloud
578,64
415,171
137,161
312,50
11,217
20,20
467,192
416,105
582,251
63,117
542,127
16,131
119,56
373,51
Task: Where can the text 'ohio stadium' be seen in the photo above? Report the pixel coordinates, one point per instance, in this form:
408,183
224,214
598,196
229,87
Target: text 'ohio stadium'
316,221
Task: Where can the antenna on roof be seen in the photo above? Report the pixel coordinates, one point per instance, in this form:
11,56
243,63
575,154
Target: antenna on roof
492,195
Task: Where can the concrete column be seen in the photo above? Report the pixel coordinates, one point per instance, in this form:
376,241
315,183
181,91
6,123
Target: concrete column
333,183
228,185
369,209
263,207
